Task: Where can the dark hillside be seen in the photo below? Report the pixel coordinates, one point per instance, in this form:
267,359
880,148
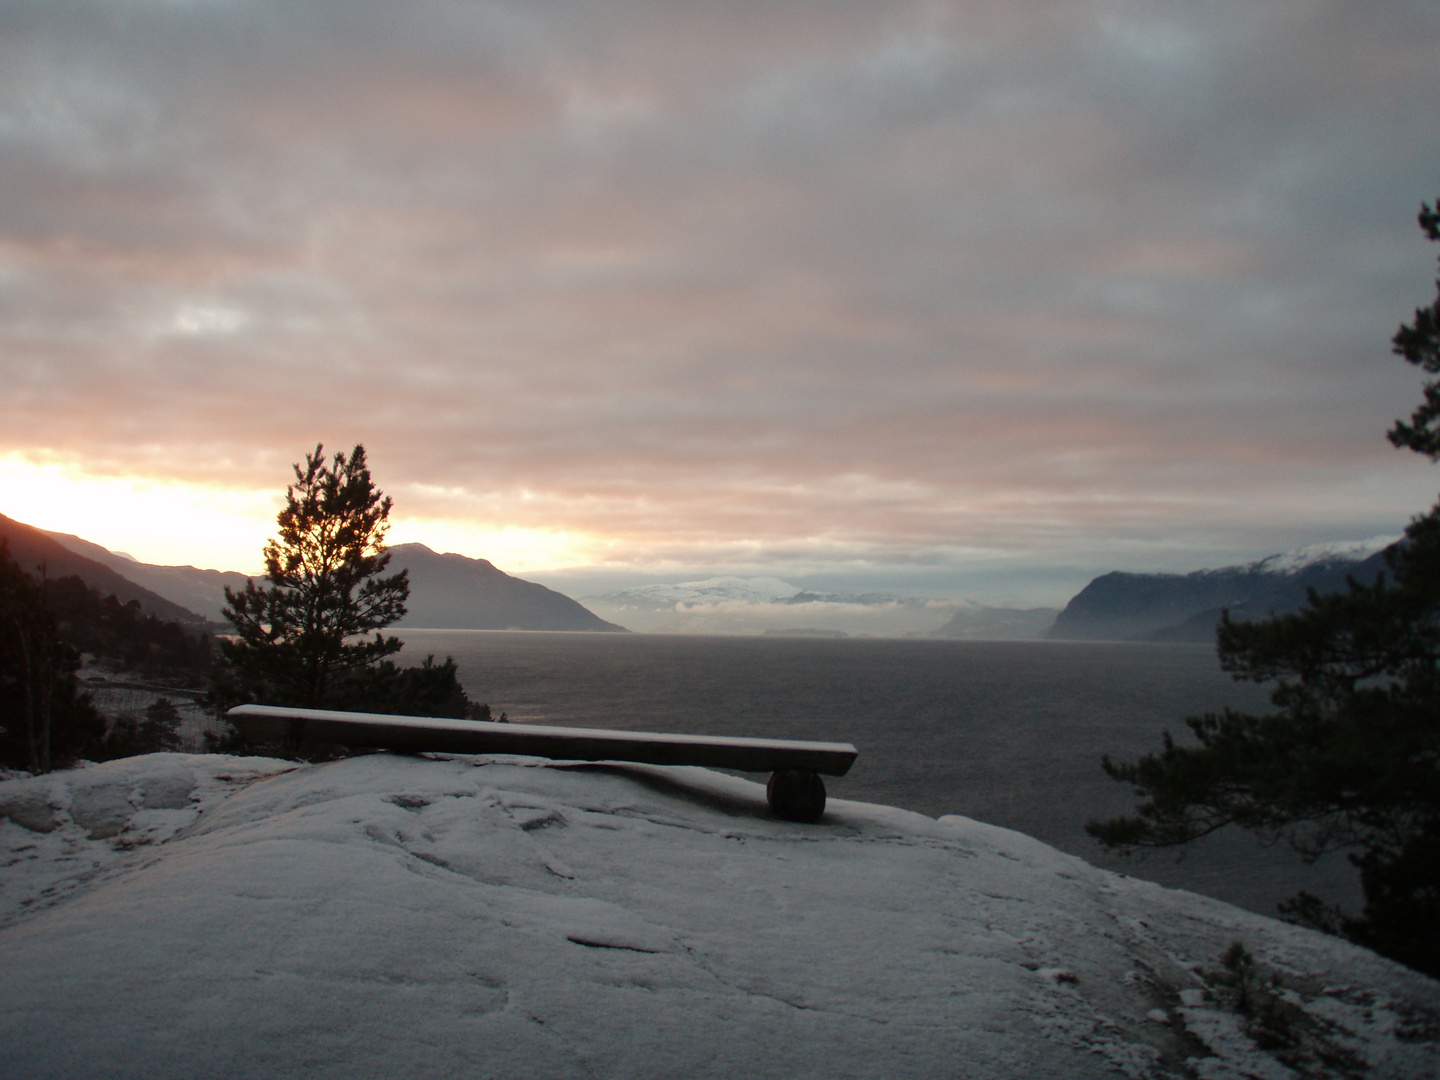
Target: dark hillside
453,592
1186,607
122,636
447,592
200,591
33,549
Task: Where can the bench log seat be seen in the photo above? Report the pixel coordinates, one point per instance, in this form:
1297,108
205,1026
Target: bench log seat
795,790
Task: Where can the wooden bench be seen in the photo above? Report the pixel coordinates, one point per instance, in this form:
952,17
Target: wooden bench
795,790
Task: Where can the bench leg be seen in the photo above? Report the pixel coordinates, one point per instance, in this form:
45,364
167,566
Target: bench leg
796,794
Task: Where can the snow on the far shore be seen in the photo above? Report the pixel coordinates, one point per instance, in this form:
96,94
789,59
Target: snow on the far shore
384,916
1297,559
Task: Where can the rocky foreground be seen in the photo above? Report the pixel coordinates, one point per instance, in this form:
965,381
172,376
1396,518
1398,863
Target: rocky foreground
384,916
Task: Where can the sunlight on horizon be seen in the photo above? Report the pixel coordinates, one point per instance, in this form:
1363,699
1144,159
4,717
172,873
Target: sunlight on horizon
172,523
166,522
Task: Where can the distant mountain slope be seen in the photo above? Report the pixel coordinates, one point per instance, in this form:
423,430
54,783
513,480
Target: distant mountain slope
452,592
1186,607
977,622
447,592
201,591
759,605
31,548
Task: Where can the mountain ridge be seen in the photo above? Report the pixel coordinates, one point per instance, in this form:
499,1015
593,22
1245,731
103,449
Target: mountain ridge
1125,606
455,592
980,622
33,548
770,606
447,591
202,591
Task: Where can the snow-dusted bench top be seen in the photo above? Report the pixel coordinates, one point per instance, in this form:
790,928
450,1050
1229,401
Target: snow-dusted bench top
795,791
535,740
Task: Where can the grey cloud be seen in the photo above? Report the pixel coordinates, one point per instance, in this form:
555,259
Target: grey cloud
909,275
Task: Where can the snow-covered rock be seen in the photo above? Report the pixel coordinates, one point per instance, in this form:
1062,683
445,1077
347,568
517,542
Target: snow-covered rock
187,916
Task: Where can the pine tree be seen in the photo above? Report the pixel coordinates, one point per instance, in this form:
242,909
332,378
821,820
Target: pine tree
1350,759
326,591
160,730
44,719
156,732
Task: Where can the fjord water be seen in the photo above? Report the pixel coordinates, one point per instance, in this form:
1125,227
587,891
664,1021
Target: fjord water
1008,732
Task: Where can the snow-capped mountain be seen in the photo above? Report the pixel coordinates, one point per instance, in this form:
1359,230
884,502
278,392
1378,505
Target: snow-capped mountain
756,605
737,605
1343,551
715,590
1187,607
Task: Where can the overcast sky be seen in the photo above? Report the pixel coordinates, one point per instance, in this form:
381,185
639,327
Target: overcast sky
979,298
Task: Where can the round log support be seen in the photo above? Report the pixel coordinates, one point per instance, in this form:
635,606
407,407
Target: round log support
796,794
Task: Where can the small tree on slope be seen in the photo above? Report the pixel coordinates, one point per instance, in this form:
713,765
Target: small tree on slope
44,719
1350,759
326,592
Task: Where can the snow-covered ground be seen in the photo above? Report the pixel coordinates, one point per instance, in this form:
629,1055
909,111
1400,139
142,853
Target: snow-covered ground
385,916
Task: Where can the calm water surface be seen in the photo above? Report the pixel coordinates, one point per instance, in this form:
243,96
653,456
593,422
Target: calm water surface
1006,732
